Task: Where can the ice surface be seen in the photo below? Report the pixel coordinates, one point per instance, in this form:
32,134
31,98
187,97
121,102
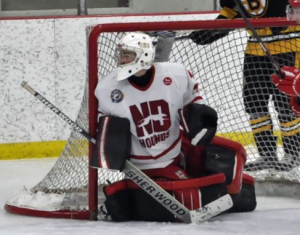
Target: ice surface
274,215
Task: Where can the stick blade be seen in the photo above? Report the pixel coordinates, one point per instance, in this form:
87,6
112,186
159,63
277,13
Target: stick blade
211,209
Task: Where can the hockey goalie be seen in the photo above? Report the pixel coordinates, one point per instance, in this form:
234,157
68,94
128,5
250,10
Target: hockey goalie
151,113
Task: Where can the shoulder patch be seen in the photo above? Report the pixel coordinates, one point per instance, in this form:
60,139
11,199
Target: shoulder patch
116,96
256,8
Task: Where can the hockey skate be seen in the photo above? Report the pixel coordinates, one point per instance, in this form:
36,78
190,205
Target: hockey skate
295,160
265,162
287,163
262,163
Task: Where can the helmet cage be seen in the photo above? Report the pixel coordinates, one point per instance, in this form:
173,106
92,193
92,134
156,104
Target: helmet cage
141,45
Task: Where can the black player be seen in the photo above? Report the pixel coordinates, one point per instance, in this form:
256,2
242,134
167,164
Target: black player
258,88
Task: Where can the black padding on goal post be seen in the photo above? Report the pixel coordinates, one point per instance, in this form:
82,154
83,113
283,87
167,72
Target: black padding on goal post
113,143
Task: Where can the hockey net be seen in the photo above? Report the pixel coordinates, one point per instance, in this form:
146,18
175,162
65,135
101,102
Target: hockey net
73,190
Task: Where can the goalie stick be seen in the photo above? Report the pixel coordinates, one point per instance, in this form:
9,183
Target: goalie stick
147,184
240,8
176,39
168,34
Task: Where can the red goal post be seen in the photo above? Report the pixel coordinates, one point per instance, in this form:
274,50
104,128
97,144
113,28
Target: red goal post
73,188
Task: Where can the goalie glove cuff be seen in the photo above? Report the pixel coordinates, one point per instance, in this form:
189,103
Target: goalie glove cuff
290,84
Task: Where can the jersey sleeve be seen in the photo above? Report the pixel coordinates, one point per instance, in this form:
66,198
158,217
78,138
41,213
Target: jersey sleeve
191,94
100,90
97,94
204,37
228,13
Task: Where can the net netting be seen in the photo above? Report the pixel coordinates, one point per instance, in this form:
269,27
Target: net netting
250,108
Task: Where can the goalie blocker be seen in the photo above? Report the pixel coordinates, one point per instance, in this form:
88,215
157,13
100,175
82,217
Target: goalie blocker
112,131
215,173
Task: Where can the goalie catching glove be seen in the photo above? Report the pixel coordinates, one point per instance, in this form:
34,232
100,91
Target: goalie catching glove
290,84
199,123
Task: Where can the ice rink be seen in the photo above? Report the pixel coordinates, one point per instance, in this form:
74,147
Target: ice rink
273,215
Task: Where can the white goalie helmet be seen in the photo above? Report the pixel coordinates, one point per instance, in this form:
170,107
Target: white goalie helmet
142,46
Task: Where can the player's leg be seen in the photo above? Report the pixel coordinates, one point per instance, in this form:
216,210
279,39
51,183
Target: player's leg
125,201
256,98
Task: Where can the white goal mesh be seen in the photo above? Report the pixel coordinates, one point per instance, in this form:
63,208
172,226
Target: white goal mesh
72,190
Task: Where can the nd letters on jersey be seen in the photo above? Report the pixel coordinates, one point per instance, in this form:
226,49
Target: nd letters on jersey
152,111
151,118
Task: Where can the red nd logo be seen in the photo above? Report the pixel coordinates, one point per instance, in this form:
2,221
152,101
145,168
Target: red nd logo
151,117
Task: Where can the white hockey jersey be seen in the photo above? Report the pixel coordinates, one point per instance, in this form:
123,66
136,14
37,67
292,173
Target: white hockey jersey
152,111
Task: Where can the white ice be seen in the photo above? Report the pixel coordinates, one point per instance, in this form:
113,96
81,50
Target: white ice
273,215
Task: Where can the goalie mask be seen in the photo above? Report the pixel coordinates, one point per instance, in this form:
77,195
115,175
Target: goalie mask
135,53
293,10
